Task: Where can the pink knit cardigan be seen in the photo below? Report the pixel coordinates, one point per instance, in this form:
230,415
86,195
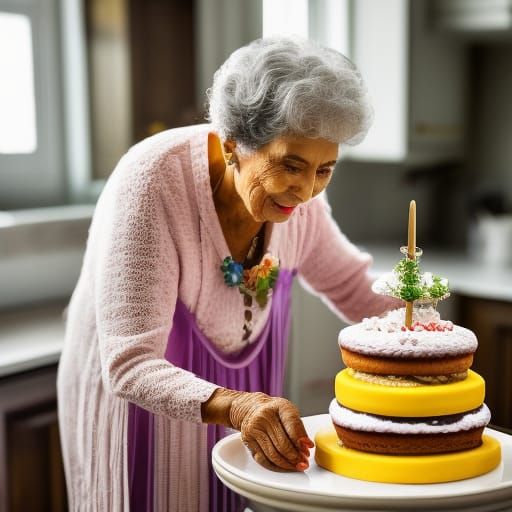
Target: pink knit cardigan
155,237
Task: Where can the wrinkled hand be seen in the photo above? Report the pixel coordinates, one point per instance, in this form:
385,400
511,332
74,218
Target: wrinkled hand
271,427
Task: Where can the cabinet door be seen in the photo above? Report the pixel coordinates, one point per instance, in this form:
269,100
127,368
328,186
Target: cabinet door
36,479
492,323
162,64
478,18
31,472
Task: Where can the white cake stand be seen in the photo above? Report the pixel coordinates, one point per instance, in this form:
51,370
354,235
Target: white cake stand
318,490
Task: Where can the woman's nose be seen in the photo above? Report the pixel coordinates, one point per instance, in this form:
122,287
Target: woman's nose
303,189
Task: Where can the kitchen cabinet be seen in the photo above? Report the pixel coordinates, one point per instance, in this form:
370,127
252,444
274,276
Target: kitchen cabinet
473,16
416,80
31,471
162,65
491,321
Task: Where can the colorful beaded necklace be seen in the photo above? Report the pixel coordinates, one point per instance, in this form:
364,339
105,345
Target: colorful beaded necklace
256,281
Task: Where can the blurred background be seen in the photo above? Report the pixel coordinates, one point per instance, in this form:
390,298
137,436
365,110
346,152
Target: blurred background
83,80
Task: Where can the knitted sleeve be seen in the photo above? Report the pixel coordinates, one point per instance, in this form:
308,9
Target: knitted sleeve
136,278
336,270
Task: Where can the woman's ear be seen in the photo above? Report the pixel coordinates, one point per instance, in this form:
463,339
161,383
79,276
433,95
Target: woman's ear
229,146
216,158
214,145
229,152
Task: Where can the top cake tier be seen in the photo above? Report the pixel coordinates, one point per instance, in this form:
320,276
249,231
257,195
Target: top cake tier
428,337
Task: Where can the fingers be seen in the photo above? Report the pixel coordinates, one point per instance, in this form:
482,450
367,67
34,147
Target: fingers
283,444
263,450
267,456
290,418
306,444
272,429
262,460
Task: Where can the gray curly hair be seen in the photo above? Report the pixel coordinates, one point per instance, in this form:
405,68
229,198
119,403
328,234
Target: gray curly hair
287,85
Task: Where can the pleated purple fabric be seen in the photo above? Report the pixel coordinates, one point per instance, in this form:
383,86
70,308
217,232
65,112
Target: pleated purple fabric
258,367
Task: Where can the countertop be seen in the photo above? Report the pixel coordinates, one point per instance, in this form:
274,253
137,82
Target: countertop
33,337
30,338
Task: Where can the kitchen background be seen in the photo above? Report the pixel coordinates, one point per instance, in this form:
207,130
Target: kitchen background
81,81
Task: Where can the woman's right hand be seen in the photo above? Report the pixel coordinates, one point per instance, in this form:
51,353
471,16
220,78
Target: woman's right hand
271,427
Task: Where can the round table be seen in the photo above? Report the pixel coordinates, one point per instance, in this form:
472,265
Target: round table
318,490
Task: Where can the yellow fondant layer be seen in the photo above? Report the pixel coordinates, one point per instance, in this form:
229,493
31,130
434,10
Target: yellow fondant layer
409,469
421,401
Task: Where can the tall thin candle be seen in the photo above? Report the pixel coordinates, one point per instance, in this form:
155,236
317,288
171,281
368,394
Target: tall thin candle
411,254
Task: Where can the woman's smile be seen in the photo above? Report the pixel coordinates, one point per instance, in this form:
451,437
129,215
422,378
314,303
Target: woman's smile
287,210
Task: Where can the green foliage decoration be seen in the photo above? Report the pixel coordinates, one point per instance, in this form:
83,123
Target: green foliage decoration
413,285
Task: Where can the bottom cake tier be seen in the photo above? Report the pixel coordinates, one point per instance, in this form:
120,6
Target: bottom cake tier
405,469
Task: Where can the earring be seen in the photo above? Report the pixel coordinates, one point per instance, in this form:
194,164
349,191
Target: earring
229,159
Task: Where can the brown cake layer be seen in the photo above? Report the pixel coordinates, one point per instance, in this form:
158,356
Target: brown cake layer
402,366
409,444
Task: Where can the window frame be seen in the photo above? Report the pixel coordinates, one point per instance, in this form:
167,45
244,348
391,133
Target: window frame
59,171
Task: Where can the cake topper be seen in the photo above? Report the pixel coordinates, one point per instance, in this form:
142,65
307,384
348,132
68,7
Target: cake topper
406,282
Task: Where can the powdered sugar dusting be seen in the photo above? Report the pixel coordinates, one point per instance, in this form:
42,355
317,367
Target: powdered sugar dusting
369,423
394,321
429,337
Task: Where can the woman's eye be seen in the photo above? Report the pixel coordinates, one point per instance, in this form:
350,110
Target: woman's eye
291,168
324,171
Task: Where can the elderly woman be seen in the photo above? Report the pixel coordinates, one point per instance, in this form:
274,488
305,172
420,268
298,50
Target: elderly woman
178,325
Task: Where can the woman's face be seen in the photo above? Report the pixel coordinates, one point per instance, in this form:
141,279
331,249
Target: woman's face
284,173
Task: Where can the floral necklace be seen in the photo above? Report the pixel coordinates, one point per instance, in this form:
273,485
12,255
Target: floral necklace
256,281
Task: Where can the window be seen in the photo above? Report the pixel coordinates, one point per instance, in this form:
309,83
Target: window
326,21
17,101
43,103
285,17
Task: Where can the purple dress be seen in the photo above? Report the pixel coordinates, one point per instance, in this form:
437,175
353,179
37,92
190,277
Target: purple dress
258,367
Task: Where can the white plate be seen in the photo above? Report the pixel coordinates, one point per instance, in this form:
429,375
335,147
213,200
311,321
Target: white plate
317,489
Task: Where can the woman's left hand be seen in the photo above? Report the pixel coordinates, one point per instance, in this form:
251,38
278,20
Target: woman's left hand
271,427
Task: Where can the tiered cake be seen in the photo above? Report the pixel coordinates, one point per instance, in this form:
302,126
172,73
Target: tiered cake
408,408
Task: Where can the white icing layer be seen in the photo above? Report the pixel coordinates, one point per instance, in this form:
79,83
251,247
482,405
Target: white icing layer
394,320
385,336
367,423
